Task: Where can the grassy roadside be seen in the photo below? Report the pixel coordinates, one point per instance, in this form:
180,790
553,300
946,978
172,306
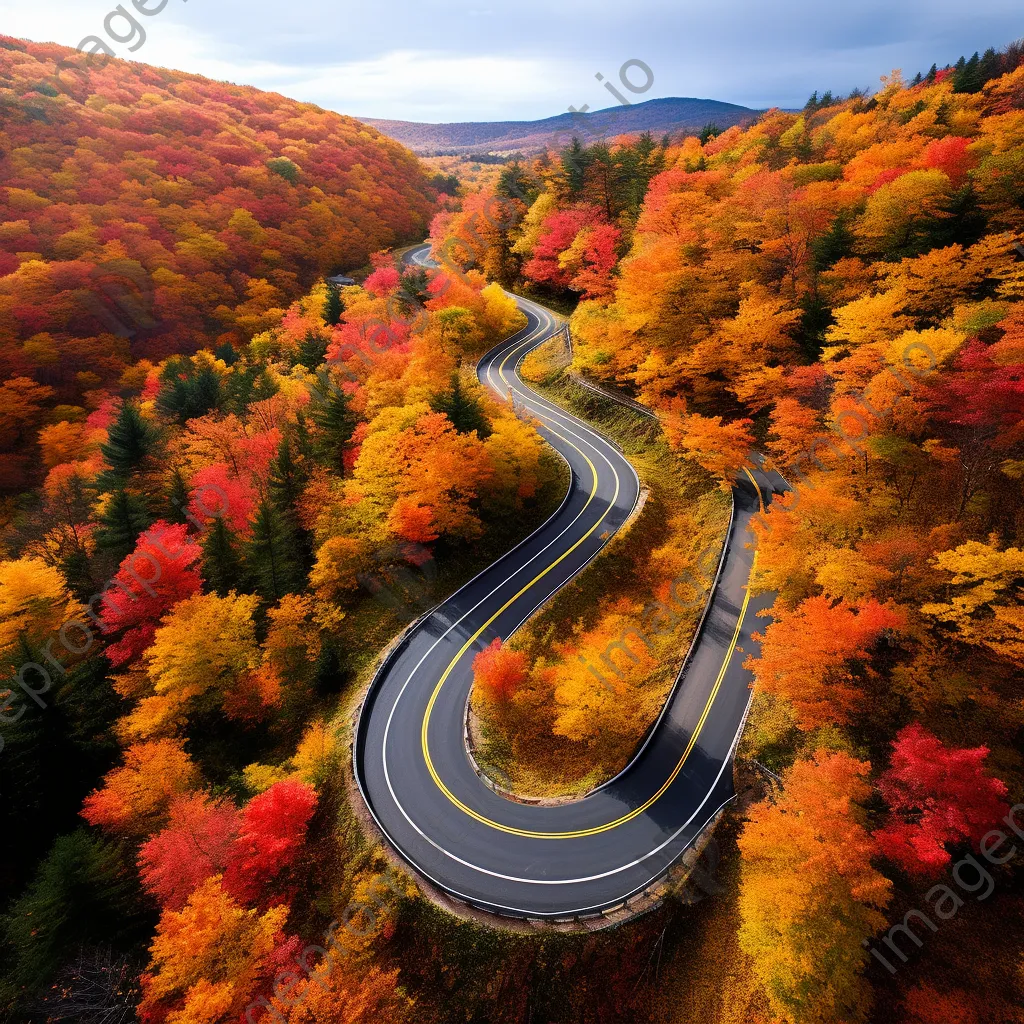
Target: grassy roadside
683,513
706,976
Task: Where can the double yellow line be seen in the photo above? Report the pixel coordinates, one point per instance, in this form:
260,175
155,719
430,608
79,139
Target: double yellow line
578,833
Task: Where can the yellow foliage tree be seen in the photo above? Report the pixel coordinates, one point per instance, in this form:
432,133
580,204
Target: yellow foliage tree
33,602
986,602
808,893
599,684
205,644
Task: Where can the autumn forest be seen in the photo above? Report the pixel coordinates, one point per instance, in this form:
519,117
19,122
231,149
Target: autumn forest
244,447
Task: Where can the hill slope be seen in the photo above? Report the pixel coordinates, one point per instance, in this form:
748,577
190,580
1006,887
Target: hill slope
148,211
671,115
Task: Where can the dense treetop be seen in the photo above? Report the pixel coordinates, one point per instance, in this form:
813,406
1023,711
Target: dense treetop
146,212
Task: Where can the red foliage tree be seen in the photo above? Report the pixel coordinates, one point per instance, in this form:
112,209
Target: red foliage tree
159,573
927,1005
217,493
193,846
950,156
499,671
937,796
597,261
980,394
382,282
271,836
558,232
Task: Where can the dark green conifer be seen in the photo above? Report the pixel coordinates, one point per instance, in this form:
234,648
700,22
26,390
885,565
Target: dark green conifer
462,409
334,306
272,556
131,441
335,422
122,520
222,563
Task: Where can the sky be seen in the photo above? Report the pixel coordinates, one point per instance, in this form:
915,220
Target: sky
449,60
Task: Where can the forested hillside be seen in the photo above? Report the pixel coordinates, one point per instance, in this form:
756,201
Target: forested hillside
229,485
147,212
248,481
840,288
266,520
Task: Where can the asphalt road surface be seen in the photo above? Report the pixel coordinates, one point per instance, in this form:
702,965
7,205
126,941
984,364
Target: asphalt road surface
411,761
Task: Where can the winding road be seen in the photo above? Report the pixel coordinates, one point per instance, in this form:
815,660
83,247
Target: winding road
410,756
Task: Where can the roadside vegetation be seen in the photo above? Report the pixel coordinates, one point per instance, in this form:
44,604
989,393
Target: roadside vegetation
226,485
841,287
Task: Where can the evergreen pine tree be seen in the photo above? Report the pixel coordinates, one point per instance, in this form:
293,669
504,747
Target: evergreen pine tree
177,499
227,353
272,556
312,350
131,440
991,66
972,81
288,478
711,130
933,72
303,442
334,306
815,320
77,573
575,159
961,76
83,893
327,670
960,220
222,563
462,409
415,289
186,393
516,183
335,422
121,522
245,385
834,245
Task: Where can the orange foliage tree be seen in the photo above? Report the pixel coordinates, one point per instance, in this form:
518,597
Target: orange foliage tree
135,797
499,671
812,657
723,449
808,893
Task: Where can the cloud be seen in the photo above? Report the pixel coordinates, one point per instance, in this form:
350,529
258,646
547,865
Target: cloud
451,60
419,86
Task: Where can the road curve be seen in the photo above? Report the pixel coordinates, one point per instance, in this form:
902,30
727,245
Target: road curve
410,756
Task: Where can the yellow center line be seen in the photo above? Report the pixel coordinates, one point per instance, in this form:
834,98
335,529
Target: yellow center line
760,500
529,833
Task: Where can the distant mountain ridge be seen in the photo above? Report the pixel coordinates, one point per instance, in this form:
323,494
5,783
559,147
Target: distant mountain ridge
672,114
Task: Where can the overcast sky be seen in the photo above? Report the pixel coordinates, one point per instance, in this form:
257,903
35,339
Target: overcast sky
450,60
